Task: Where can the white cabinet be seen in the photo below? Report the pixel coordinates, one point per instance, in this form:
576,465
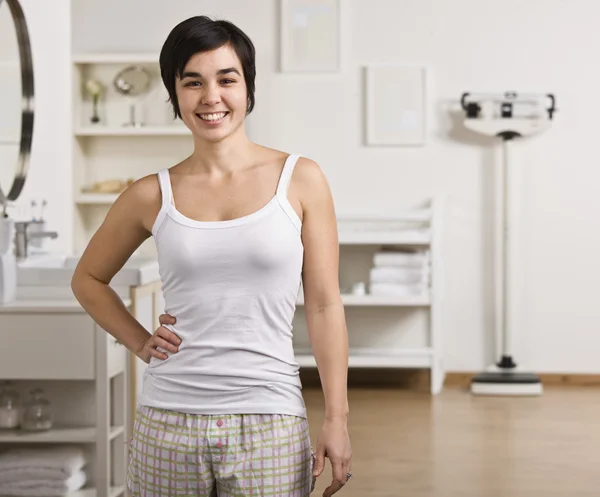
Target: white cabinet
387,331
84,373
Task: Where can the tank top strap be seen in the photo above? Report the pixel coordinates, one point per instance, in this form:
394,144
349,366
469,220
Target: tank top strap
165,188
286,175
164,181
282,189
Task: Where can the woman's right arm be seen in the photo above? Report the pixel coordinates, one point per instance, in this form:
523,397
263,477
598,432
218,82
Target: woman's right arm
127,224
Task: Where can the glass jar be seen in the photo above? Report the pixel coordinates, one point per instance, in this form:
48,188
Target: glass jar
37,415
10,407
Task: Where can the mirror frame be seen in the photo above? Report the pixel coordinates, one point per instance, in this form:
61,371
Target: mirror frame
27,112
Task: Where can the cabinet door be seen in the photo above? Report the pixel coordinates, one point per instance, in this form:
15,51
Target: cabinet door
53,346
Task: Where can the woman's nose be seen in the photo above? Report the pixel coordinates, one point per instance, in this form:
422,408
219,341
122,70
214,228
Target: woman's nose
211,95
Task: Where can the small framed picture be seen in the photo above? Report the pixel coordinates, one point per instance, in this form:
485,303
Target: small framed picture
310,35
396,104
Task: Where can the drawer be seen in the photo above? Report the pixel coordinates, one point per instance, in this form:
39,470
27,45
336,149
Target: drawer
52,346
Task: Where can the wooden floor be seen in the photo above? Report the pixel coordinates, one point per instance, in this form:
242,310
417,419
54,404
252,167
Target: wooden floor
409,444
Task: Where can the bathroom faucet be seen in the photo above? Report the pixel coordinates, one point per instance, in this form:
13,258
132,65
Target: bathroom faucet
22,237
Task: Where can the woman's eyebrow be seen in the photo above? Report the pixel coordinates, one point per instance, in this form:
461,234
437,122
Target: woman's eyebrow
192,74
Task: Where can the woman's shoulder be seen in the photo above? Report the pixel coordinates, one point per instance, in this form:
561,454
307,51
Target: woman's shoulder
144,189
307,173
304,166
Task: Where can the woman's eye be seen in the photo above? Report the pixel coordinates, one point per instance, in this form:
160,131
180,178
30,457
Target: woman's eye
227,81
192,83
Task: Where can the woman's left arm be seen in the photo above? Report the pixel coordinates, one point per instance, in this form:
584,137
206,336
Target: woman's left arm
325,317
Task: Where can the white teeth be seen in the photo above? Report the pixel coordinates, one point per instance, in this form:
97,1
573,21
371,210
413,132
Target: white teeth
212,117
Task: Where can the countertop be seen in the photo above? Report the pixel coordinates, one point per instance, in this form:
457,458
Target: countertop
46,306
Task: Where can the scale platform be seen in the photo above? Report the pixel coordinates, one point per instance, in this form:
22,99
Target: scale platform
506,383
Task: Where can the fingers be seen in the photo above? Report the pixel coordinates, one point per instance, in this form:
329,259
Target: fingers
319,461
167,339
160,342
157,353
338,480
166,319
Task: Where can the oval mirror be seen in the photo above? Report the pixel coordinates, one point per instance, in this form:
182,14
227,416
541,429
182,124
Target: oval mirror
16,100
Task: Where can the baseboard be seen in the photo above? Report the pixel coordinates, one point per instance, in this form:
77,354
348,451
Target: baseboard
419,379
406,379
463,379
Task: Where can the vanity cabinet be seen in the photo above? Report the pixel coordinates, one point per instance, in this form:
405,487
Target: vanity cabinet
91,380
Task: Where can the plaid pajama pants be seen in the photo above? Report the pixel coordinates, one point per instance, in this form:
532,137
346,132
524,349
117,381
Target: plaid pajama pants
174,454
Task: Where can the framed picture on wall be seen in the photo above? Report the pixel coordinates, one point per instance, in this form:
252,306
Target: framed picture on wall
310,35
396,104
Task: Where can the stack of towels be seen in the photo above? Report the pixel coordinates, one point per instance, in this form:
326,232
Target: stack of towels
400,273
48,471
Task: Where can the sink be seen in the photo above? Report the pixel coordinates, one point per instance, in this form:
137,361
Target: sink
49,261
57,270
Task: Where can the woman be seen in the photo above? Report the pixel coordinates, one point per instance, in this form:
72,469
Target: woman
237,227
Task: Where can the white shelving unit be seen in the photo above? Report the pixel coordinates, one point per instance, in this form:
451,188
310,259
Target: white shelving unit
83,372
380,300
377,336
172,130
96,198
111,150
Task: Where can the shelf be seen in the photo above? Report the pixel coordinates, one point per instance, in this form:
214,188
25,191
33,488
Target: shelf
381,300
115,58
131,131
376,358
91,492
96,198
57,435
408,237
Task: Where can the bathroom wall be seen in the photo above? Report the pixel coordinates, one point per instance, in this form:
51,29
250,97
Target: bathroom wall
469,45
50,169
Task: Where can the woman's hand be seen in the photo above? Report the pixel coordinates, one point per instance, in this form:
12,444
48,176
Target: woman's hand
334,443
163,338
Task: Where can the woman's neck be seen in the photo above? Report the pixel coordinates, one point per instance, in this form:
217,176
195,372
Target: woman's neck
234,152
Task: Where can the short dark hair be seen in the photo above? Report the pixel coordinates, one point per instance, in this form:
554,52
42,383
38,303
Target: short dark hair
201,34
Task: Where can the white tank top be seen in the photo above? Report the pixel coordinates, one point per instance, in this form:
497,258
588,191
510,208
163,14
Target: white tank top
232,285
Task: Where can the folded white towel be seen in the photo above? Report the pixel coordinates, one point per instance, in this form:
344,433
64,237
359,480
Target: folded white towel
64,459
398,275
44,488
397,290
19,474
400,258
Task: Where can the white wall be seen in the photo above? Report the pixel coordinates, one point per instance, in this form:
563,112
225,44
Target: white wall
470,45
50,170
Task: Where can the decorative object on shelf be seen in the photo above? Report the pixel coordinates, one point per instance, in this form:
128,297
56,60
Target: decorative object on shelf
95,89
109,186
310,35
132,82
37,414
396,105
10,407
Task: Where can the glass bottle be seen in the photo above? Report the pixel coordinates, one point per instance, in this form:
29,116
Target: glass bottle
10,407
37,415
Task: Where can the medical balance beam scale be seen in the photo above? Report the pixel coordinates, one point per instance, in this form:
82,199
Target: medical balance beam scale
506,116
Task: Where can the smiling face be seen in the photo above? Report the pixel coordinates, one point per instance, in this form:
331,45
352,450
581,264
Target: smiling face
212,94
